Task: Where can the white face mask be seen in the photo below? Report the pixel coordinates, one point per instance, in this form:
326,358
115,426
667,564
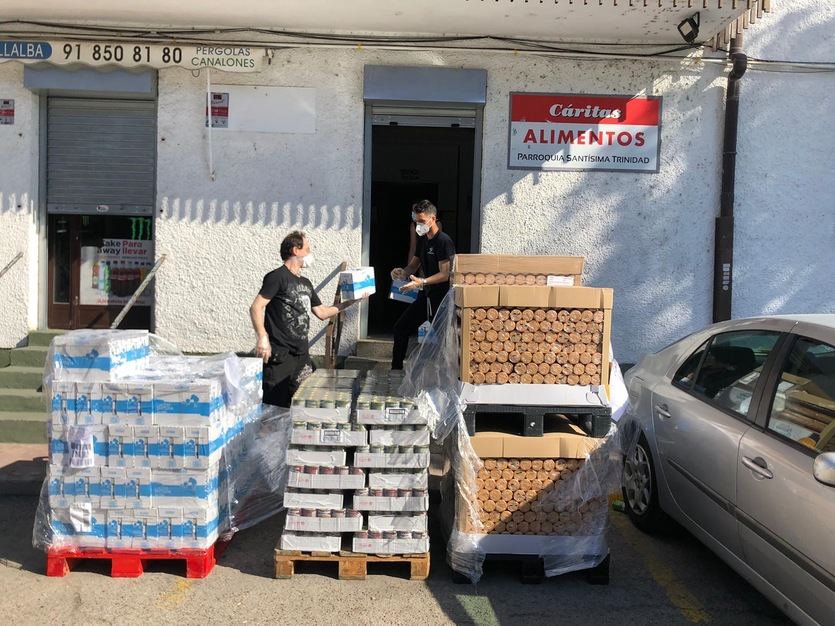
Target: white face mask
421,229
308,260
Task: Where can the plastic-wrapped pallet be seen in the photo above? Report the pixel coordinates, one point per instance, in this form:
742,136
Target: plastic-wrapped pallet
490,504
144,456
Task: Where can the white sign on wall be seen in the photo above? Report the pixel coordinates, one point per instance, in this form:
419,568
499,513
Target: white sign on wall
228,58
256,108
111,273
584,132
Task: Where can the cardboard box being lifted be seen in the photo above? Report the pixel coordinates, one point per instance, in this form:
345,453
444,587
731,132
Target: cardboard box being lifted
517,264
574,445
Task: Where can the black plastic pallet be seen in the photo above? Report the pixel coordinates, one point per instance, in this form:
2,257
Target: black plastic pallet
532,569
535,421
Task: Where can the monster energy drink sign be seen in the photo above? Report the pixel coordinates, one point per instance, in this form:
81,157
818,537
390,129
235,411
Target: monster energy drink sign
140,228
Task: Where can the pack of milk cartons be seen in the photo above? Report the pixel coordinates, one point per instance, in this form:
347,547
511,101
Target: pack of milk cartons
358,282
142,447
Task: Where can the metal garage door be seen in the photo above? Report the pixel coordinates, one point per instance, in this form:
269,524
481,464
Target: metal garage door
101,156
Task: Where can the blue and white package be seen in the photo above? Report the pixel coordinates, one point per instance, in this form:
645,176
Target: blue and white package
137,489
169,527
357,283
127,403
200,527
78,526
169,452
83,485
98,355
203,445
402,296
185,488
62,404
193,403
55,488
111,488
120,445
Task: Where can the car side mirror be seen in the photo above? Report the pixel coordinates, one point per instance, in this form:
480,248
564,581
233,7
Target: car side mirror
824,468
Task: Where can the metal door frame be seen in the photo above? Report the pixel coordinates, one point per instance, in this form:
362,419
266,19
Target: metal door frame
421,120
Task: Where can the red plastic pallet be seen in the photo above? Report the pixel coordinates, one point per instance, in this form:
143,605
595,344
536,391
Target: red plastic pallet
129,563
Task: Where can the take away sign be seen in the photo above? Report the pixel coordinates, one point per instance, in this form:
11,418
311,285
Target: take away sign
584,132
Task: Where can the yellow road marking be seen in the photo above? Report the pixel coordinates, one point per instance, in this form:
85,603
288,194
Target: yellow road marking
677,593
177,595
479,609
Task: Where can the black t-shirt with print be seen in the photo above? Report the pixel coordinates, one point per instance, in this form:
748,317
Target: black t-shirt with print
431,252
287,316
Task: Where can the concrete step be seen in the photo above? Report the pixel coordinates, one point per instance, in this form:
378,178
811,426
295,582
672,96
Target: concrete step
365,365
375,348
43,337
17,377
23,401
31,356
23,426
5,357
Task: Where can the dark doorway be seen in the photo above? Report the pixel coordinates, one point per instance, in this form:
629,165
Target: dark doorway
409,164
96,263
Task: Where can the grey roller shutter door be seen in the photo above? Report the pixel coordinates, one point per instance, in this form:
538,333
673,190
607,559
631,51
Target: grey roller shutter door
101,156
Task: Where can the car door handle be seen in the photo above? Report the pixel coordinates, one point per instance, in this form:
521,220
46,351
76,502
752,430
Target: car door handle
758,466
663,411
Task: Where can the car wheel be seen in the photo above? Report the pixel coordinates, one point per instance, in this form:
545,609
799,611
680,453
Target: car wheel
640,489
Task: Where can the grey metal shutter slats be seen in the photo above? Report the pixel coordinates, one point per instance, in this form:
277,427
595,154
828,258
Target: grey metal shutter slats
101,156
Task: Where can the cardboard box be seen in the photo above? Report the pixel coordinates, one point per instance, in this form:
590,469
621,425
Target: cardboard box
130,404
78,525
301,480
112,481
62,404
329,437
473,296
394,437
145,443
192,403
99,355
412,523
340,415
311,543
392,546
534,395
169,528
136,490
323,524
414,480
357,283
200,526
119,445
294,499
203,446
56,497
525,297
398,461
169,448
577,445
82,485
395,293
315,457
88,406
372,503
515,264
185,488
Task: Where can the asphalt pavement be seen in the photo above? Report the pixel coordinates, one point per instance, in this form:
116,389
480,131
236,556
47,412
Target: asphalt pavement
668,580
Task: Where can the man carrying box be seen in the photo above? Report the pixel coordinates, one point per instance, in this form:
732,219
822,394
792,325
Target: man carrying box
433,254
280,315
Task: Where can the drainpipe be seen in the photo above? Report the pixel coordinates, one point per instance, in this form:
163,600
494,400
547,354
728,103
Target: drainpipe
723,260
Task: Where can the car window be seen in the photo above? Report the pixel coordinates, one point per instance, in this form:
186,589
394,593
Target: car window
803,408
732,366
686,374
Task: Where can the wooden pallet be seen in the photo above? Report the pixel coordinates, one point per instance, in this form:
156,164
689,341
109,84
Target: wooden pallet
352,565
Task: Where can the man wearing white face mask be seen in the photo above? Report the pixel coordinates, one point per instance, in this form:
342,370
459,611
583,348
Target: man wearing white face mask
280,315
433,254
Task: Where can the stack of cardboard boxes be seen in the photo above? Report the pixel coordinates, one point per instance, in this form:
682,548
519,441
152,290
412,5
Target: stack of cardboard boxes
142,447
375,455
530,335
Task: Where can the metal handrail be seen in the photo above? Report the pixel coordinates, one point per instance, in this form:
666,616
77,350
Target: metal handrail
16,258
129,304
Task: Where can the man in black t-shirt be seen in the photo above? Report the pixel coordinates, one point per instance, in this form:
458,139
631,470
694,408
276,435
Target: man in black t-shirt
280,316
433,254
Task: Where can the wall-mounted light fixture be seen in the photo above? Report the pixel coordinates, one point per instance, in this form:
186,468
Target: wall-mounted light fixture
688,28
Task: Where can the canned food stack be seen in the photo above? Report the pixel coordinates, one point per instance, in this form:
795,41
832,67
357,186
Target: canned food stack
322,439
365,474
397,459
141,456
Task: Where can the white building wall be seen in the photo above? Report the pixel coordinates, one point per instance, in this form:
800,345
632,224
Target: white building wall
648,236
785,205
18,201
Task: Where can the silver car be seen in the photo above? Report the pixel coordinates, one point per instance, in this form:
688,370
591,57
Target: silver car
732,434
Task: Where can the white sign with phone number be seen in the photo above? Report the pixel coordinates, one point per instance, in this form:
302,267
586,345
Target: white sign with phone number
227,58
